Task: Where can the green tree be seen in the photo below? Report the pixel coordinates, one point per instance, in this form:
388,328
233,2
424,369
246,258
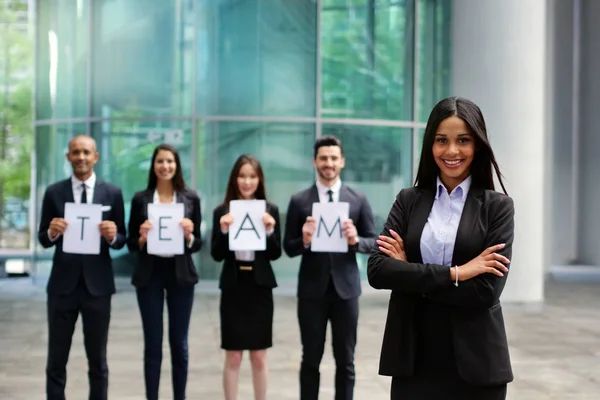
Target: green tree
16,132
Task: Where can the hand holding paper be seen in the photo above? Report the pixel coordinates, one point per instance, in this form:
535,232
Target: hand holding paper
308,229
57,226
225,222
269,221
188,227
108,230
350,231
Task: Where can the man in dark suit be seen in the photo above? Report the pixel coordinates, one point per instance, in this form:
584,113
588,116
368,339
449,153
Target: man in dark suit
80,283
328,283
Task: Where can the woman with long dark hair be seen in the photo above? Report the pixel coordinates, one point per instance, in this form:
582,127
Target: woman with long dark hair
445,253
247,281
166,276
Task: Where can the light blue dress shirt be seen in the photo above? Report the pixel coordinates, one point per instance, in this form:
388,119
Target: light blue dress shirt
439,234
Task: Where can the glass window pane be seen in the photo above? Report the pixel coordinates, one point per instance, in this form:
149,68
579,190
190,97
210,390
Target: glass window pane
285,152
51,165
142,58
61,59
378,163
434,53
367,59
257,58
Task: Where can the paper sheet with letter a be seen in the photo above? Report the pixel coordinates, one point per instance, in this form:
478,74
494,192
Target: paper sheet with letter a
328,236
82,235
247,233
166,235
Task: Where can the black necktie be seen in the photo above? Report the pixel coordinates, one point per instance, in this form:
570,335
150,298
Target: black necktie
330,193
83,194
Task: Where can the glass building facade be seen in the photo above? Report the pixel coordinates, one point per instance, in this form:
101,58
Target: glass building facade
218,78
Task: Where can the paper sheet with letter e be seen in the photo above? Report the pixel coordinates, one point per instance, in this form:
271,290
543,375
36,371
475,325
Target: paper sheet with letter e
247,232
328,236
166,235
82,235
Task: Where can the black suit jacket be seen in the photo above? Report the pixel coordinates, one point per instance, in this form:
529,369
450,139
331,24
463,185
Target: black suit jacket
477,324
316,269
67,268
185,270
263,272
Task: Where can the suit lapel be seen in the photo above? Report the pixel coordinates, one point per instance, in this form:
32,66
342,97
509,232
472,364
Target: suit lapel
344,194
418,216
68,190
467,220
97,198
181,198
313,195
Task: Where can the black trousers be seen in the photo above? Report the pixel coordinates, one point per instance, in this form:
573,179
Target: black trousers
63,311
151,301
313,315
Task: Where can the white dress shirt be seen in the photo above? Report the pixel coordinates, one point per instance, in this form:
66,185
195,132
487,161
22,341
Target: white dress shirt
323,191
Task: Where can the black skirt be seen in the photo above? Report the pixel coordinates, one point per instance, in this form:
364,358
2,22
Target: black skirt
246,312
436,375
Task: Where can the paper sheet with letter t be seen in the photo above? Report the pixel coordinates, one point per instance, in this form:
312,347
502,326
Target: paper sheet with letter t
166,235
328,236
83,231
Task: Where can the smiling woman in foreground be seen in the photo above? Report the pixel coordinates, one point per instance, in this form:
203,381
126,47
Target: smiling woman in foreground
445,253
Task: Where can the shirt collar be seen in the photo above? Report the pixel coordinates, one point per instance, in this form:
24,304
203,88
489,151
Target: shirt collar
461,190
89,182
156,197
335,188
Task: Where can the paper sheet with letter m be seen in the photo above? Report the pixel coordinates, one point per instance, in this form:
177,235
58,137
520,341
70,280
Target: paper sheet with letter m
247,233
328,236
82,235
166,235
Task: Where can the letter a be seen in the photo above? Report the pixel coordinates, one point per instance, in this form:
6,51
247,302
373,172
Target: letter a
252,228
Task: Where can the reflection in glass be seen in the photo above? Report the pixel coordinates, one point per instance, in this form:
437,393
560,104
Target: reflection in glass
434,54
257,57
61,59
153,43
367,59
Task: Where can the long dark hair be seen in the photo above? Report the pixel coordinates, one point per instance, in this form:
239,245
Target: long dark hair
178,182
233,192
483,160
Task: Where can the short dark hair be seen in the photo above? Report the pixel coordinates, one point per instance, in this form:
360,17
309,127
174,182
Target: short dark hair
326,141
232,192
484,159
178,182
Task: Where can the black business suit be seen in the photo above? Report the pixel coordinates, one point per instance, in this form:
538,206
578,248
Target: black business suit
80,284
328,289
153,276
246,304
467,350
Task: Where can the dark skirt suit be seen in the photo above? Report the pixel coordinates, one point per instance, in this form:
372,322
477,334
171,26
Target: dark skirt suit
442,341
172,277
246,308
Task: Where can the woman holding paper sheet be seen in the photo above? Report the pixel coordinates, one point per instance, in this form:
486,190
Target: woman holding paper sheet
247,280
157,276
445,253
